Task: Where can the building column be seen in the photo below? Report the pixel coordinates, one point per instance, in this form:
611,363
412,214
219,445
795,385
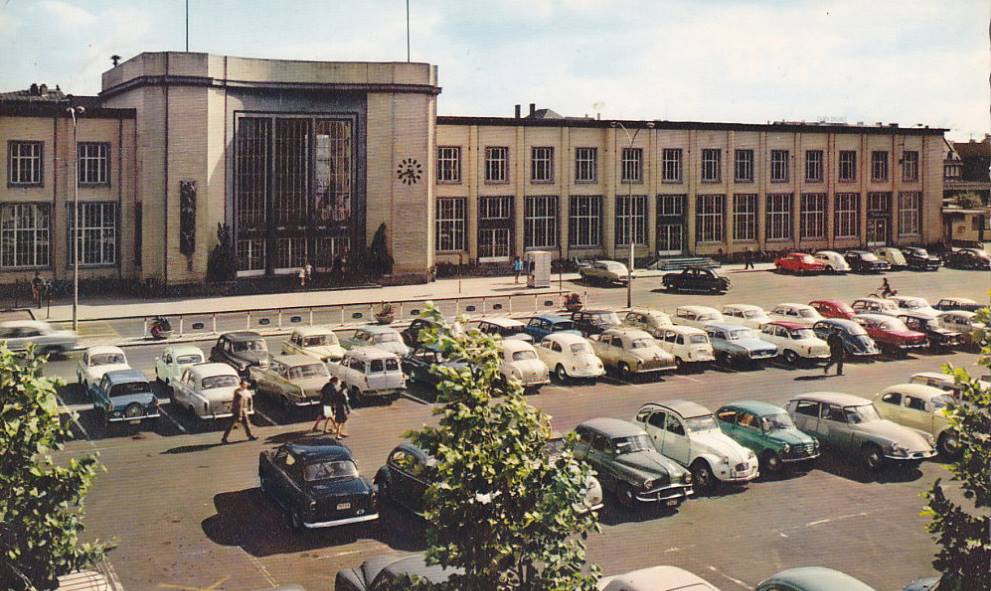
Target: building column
520,158
761,173
691,169
564,190
471,184
609,164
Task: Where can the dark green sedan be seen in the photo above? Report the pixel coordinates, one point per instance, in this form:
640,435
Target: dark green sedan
769,431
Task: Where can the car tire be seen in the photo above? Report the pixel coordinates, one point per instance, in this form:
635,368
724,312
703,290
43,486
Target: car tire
561,374
624,371
872,457
948,445
295,520
703,477
679,365
723,358
356,397
384,489
771,461
626,496
791,357
263,484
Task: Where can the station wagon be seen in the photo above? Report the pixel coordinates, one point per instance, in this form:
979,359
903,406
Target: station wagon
319,342
369,373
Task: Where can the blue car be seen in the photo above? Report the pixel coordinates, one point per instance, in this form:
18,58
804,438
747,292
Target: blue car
856,341
738,345
540,326
124,395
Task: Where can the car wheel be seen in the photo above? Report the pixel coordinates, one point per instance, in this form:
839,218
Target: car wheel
702,476
680,366
948,445
356,398
385,491
791,357
263,483
626,496
872,457
286,404
560,374
772,461
296,520
723,358
624,371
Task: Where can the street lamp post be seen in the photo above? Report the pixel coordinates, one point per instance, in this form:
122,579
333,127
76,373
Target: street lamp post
74,112
629,208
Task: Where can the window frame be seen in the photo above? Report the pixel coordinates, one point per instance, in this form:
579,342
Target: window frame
779,163
586,157
746,164
533,222
814,166
16,145
627,207
586,223
100,229
631,165
879,166
672,162
492,163
449,166
745,217
102,159
851,164
711,166
41,250
910,166
545,160
779,219
851,213
710,218
458,230
812,217
915,217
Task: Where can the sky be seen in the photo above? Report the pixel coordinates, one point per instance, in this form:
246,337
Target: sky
904,61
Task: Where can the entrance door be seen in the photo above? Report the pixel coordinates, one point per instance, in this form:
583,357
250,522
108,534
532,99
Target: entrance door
670,239
493,244
877,231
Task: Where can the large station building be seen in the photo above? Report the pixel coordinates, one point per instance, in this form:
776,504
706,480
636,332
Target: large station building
304,161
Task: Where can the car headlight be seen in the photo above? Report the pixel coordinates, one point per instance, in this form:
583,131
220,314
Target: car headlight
725,459
786,448
686,478
898,449
929,439
639,362
648,483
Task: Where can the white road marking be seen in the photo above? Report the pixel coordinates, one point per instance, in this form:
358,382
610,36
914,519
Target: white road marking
729,578
406,394
171,420
266,417
73,414
840,518
264,571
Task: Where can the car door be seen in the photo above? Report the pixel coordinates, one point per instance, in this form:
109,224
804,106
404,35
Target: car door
833,426
401,465
600,456
805,414
915,413
748,431
180,389
676,446
653,424
889,406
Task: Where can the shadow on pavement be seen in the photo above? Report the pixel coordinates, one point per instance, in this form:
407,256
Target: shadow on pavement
615,514
849,467
185,449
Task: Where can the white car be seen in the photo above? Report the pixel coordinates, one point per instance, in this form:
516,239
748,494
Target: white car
370,372
175,360
652,321
876,306
569,356
507,328
18,334
319,342
943,381
689,345
381,337
97,361
834,261
745,315
697,316
519,362
966,323
207,390
655,578
795,342
803,314
689,434
914,304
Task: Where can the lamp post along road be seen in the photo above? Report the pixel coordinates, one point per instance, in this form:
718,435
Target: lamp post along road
74,112
629,206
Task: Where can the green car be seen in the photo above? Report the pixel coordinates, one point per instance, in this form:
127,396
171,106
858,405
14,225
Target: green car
812,578
769,431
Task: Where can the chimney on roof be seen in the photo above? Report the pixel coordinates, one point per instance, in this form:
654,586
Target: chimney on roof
33,89
533,109
517,111
115,59
43,90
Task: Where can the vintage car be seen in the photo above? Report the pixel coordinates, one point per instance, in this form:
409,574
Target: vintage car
369,373
421,358
800,263
569,357
833,261
745,315
862,261
316,482
796,342
738,345
968,258
689,345
697,316
943,381
605,272
389,572
631,352
875,306
940,337
519,361
923,408
507,328
318,342
175,360
539,327
800,313
850,425
241,350
914,304
411,334
18,334
856,341
890,334
97,361
124,395
769,431
696,279
293,380
689,434
381,337
919,259
966,323
628,465
207,390
812,578
833,309
652,321
655,578
950,304
893,256
591,322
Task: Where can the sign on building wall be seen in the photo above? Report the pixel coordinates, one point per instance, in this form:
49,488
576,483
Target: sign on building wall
187,217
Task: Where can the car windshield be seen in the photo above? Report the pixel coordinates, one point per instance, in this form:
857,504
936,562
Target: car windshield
641,343
130,388
524,355
865,413
313,370
634,443
856,330
868,257
753,313
807,313
802,333
615,267
777,422
577,348
328,470
607,317
941,401
893,324
737,335
252,345
386,337
189,359
106,358
698,339
564,325
698,424
319,340
807,259
211,382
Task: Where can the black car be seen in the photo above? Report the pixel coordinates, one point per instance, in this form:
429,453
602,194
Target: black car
317,483
856,341
591,322
950,304
386,572
696,279
241,350
411,335
416,364
919,259
940,339
968,258
405,476
861,261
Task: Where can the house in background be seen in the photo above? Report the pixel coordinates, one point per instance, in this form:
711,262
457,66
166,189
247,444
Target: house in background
967,169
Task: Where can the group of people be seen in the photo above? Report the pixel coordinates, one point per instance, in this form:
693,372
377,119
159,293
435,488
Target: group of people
335,408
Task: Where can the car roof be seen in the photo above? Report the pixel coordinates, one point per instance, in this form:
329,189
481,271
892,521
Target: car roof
758,407
958,300
872,299
827,252
320,448
964,313
121,376
933,374
792,305
833,397
633,333
295,360
798,253
857,251
818,578
917,390
309,330
843,322
104,349
655,577
611,427
595,311
516,345
699,309
678,328
685,408
553,318
649,312
832,302
786,324
203,370
381,329
743,307
502,321
726,326
367,353
906,298
24,324
185,350
241,335
875,317
565,338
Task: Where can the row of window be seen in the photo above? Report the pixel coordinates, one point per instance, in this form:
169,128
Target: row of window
26,228
632,162
25,163
540,218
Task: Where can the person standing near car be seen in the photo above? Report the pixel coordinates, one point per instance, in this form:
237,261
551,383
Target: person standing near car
836,352
327,396
517,269
239,411
342,410
748,259
37,286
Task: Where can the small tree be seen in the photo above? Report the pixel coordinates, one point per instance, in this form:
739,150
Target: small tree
500,509
969,200
41,503
222,264
379,260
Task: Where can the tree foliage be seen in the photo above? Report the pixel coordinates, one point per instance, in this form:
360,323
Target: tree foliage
502,512
222,263
41,503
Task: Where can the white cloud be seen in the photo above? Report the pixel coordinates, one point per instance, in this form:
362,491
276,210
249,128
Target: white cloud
68,15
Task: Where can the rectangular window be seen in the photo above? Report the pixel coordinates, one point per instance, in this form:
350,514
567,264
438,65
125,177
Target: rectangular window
542,165
879,166
94,163
291,178
290,252
848,166
711,165
251,255
632,168
252,174
452,222
671,165
743,166
812,220
671,205
585,221
909,209
878,204
745,216
449,164
709,218
24,163
25,230
496,164
813,166
631,216
97,233
779,166
779,216
540,222
586,165
910,166
847,215
495,227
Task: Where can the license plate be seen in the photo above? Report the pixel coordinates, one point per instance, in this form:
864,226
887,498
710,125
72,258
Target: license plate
672,503
343,506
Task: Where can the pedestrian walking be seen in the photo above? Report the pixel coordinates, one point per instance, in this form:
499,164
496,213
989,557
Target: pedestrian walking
748,259
302,277
37,286
308,272
327,405
342,410
836,352
517,269
239,412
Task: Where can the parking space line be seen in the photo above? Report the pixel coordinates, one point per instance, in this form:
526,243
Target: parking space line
729,578
406,394
264,571
171,420
73,415
266,417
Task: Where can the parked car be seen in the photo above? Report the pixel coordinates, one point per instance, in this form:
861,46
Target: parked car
923,408
856,341
745,315
689,345
966,323
387,572
833,309
796,342
919,259
967,258
628,465
319,342
519,361
18,334
569,357
891,334
175,360
539,327
833,261
943,381
124,395
697,316
875,306
800,263
605,272
770,433
591,322
950,304
294,381
631,352
207,391
914,304
379,336
893,256
689,434
939,337
862,261
655,578
652,321
593,500
801,313
369,373
317,483
421,358
97,361
696,279
507,328
812,578
738,345
241,350
851,426
411,334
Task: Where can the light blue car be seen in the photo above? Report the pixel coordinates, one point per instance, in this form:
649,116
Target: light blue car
812,578
738,345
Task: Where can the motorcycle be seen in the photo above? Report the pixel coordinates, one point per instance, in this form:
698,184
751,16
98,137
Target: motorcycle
160,328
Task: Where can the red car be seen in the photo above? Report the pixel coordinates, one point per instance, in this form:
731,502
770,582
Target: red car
833,309
891,334
800,263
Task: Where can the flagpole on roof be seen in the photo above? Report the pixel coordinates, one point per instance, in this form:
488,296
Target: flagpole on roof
407,30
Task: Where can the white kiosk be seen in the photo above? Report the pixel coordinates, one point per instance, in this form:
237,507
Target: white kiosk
538,268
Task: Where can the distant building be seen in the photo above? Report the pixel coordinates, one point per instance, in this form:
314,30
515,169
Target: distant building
967,169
